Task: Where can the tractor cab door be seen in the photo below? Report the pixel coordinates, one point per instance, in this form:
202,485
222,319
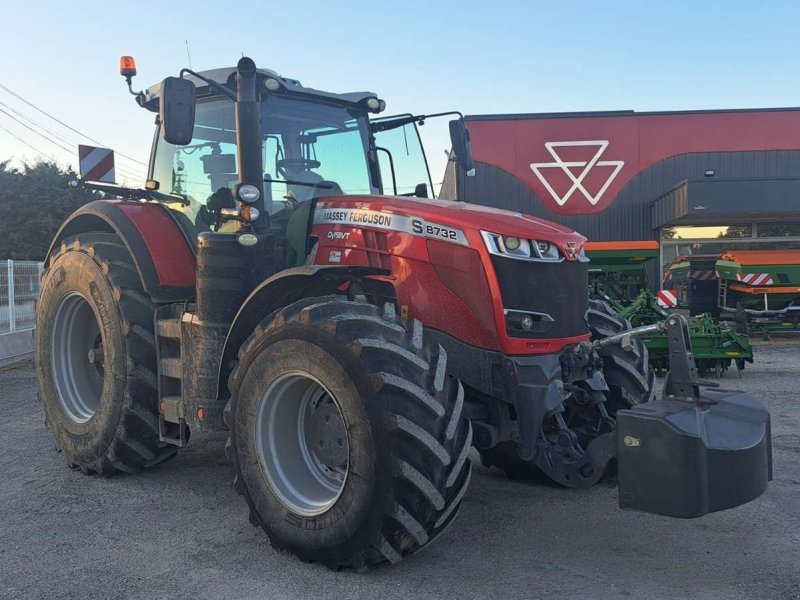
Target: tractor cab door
205,171
311,151
402,161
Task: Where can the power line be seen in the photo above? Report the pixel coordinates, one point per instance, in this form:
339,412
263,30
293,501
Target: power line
72,151
31,146
8,90
3,87
26,126
39,125
19,139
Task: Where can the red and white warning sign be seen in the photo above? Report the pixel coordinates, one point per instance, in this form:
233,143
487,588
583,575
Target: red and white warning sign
703,275
96,164
667,298
756,278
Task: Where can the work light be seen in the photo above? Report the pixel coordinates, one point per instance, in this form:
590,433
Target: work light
247,192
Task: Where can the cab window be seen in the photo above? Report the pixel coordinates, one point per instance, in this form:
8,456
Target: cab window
313,149
402,161
204,171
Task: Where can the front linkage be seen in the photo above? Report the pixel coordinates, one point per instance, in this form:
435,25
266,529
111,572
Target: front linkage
565,409
699,449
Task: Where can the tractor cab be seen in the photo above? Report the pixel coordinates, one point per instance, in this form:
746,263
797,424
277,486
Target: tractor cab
312,144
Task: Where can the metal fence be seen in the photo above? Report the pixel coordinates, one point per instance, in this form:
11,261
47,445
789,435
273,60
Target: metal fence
19,288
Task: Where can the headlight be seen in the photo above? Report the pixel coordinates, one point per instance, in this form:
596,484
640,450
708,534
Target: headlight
526,322
247,192
375,105
247,239
516,247
272,85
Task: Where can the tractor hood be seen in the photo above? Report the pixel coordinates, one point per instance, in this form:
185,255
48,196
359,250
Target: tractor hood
459,215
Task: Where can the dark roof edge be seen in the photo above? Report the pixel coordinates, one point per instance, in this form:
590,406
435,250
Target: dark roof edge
621,113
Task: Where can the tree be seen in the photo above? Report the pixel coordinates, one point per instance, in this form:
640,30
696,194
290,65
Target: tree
34,201
743,231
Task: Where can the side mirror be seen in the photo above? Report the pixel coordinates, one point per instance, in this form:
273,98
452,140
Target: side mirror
176,107
459,138
421,190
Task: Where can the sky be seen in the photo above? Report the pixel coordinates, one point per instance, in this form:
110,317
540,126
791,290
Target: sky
420,56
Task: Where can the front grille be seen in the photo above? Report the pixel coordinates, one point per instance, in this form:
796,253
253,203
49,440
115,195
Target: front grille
560,290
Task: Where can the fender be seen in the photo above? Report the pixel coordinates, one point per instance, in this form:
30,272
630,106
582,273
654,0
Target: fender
160,248
276,292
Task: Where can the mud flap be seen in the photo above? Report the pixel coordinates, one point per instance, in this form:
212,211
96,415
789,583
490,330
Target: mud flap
686,459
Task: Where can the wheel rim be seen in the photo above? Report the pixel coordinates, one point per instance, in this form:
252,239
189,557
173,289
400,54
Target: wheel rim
77,357
302,443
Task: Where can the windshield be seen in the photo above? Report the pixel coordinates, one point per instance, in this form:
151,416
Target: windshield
309,150
318,149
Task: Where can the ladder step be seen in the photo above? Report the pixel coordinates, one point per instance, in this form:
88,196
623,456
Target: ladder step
170,367
169,328
172,409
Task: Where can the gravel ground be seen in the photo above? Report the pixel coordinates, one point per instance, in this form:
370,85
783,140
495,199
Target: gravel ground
181,531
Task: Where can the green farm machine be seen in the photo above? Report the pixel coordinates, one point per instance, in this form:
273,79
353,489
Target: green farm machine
761,286
617,274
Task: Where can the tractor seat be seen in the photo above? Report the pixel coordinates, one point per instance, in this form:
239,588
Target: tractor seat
303,193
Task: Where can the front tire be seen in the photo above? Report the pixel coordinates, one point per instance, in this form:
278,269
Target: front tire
346,433
96,360
627,371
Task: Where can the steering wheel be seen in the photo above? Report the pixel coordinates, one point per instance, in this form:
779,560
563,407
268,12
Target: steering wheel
296,164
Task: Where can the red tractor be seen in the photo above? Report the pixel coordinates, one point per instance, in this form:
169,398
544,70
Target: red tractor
286,277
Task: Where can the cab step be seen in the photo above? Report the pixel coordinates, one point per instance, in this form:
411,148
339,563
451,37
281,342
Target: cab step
170,386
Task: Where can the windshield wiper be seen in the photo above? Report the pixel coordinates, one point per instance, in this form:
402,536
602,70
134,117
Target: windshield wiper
127,193
325,186
376,126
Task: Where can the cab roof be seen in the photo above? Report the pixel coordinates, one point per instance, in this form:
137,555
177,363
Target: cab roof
227,76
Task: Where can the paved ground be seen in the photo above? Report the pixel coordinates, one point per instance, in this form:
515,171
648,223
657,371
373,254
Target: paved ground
182,532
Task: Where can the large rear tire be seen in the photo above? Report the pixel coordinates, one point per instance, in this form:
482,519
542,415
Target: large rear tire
96,360
346,433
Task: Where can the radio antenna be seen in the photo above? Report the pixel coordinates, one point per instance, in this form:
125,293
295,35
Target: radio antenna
188,55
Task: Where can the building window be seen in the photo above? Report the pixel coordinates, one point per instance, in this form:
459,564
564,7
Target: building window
778,229
703,232
716,240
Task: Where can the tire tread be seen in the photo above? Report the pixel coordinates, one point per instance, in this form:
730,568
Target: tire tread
135,443
427,436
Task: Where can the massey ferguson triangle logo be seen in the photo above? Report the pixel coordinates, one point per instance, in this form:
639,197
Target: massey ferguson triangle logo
572,250
568,167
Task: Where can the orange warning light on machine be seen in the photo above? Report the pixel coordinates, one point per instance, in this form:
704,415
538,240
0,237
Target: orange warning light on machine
127,66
